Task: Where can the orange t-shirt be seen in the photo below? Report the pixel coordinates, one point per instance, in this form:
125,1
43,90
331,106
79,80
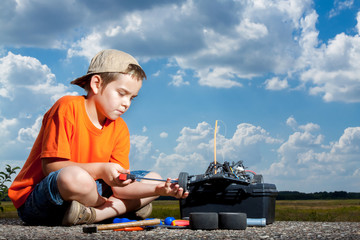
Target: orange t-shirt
68,133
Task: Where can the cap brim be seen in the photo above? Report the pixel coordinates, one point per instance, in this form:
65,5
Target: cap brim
81,81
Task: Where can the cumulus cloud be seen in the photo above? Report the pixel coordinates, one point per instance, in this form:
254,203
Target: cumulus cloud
340,6
5,127
164,135
26,83
171,165
276,84
303,161
195,148
30,134
221,52
332,68
291,121
248,39
27,88
140,146
31,24
348,144
306,160
178,79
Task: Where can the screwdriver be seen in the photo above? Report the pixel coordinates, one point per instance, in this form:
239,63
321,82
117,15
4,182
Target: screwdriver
125,176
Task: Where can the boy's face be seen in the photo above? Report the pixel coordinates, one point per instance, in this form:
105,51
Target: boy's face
115,99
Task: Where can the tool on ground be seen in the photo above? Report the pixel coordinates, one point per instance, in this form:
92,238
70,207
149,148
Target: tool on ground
112,226
130,229
122,220
125,176
180,223
259,222
169,220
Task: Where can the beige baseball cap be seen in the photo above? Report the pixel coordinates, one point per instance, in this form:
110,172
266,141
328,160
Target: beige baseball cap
109,60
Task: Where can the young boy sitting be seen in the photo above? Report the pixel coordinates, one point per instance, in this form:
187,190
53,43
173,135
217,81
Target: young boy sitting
72,173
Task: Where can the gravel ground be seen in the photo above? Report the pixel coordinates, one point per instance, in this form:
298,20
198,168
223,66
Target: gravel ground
15,229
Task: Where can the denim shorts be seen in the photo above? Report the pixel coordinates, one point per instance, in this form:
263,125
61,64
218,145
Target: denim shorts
45,206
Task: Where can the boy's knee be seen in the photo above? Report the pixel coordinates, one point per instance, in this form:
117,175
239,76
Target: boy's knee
75,179
153,175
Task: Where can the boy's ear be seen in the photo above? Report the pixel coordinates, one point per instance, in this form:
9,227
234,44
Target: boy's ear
95,84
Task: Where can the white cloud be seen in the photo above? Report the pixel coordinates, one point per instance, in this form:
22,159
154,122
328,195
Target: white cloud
88,46
306,162
140,147
276,84
171,165
178,79
5,126
22,74
349,143
251,30
358,22
309,127
164,135
221,52
193,140
30,134
156,74
195,149
31,23
340,6
332,68
291,121
28,88
223,43
218,77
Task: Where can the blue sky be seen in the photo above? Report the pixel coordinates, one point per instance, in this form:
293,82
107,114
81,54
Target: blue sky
281,76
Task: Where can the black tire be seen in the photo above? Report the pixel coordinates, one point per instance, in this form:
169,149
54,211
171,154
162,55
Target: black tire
258,178
232,220
204,221
183,180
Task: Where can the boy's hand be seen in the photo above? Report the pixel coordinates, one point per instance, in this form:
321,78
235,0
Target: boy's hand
170,189
111,172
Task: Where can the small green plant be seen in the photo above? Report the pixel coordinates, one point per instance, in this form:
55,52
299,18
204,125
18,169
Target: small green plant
4,178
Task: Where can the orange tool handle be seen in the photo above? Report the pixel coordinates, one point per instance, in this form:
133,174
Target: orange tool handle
124,176
130,229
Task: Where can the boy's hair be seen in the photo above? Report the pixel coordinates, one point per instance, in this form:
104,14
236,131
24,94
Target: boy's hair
109,64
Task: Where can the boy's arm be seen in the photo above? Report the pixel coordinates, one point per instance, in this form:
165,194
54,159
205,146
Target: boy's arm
53,164
107,171
137,190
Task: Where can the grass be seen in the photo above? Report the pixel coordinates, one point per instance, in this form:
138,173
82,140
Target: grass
318,210
285,210
9,210
293,210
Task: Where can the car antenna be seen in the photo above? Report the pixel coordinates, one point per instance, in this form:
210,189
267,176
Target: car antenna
215,145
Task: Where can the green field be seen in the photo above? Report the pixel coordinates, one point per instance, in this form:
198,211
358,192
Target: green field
318,210
285,210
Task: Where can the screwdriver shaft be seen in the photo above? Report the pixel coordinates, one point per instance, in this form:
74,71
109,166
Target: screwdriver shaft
124,177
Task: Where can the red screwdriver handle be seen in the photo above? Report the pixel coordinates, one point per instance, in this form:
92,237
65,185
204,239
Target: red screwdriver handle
125,176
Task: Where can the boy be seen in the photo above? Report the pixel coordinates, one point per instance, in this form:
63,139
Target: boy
71,174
